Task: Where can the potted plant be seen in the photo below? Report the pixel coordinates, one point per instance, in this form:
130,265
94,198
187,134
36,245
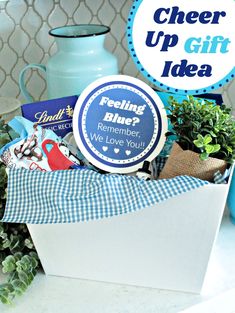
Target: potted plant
205,139
18,258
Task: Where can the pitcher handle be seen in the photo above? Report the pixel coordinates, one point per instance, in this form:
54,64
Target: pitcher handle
23,89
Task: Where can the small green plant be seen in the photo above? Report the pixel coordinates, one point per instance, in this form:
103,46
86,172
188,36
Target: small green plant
6,133
18,257
203,127
204,143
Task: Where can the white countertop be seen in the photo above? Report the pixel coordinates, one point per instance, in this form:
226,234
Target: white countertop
65,295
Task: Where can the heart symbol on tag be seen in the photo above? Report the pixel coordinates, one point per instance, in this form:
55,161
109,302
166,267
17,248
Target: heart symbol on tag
105,148
128,152
116,150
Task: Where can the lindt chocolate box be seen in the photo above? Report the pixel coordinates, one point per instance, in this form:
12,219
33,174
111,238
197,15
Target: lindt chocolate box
55,114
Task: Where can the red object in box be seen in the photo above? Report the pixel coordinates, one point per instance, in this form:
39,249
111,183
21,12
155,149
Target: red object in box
56,159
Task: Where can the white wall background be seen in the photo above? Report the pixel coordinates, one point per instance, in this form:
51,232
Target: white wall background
24,38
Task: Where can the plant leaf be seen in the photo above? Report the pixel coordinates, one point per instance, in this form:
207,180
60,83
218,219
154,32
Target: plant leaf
207,139
216,148
198,143
209,149
204,156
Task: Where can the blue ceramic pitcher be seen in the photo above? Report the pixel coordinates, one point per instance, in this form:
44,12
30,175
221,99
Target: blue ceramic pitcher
81,59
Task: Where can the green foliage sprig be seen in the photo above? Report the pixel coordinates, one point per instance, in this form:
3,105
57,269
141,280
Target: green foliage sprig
203,127
6,133
17,253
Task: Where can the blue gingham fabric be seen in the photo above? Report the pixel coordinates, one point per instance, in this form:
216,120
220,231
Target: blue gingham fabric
69,196
222,178
157,165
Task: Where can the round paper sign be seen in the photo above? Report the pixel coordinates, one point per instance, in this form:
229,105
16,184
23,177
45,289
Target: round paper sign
184,46
118,123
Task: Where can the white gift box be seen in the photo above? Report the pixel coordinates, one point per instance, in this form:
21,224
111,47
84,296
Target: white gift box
166,246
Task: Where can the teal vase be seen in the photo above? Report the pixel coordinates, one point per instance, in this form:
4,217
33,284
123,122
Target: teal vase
80,59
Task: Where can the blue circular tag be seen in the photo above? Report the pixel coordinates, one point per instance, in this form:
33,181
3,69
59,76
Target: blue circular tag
184,47
119,122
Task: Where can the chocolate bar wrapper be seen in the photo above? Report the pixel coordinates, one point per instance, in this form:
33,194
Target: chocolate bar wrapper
55,114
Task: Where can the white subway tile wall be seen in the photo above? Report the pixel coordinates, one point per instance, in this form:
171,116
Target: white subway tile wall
24,38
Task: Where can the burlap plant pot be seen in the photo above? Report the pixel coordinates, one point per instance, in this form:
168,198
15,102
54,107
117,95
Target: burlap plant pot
186,162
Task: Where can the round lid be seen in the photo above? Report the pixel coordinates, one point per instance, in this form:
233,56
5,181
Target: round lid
119,122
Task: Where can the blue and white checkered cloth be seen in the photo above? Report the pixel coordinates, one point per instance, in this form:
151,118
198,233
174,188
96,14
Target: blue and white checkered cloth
222,178
70,196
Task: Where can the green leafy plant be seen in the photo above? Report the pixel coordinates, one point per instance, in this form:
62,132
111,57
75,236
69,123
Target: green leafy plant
18,257
203,127
6,133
